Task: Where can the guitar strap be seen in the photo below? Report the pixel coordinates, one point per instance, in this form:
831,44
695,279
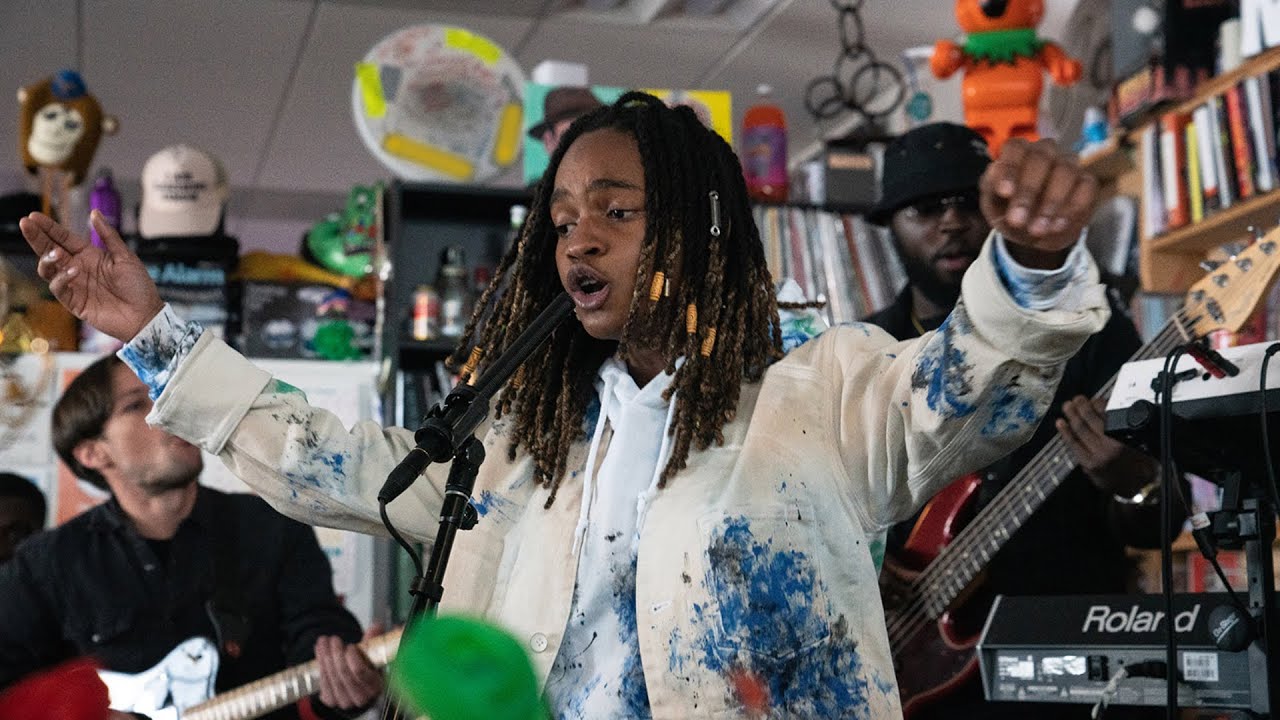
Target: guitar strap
226,608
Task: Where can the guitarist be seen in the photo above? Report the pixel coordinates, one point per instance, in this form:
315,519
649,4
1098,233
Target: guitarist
165,560
1075,544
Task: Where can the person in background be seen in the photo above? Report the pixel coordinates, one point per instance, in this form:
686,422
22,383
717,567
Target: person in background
22,512
560,108
676,519
1075,543
165,561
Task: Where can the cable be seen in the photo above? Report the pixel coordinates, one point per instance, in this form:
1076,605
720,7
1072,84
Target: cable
1167,380
1108,692
1273,495
417,562
1157,669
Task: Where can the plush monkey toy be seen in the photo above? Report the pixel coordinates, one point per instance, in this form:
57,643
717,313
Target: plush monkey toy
60,125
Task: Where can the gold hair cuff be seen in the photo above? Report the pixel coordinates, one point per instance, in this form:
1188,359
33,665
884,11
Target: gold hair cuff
655,287
691,319
709,342
469,367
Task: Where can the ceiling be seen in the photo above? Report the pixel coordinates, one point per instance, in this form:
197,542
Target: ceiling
266,84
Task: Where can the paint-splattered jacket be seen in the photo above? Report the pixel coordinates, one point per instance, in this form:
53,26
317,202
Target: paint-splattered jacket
759,560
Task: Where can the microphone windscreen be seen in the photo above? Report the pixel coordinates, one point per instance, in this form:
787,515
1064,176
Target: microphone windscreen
453,667
70,691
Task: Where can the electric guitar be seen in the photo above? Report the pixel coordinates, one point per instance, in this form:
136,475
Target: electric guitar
180,687
933,649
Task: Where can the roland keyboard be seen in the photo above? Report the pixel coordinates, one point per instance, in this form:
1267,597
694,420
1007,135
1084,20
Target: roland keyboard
1065,649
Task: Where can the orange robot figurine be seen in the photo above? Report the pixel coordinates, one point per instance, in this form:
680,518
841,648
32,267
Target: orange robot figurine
1003,62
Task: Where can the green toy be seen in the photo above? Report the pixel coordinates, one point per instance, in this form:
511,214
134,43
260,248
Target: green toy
344,242
335,339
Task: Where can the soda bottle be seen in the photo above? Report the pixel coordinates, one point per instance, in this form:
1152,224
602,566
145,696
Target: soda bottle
426,313
106,200
764,149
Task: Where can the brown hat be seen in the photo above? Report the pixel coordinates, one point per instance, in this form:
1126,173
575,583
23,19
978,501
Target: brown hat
564,103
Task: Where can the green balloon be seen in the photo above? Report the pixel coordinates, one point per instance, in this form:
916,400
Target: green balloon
459,668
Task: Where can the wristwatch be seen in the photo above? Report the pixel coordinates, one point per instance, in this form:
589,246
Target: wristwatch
1149,494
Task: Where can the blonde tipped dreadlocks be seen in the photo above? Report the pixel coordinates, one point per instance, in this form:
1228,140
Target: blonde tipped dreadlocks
722,316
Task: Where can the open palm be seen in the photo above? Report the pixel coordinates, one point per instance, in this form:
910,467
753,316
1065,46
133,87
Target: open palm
107,287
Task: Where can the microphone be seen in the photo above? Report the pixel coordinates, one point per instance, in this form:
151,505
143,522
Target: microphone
451,667
447,426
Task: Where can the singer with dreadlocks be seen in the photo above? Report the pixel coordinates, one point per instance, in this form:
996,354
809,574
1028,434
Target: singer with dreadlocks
676,519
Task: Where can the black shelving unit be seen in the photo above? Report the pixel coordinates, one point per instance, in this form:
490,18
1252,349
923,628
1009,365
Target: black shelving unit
422,220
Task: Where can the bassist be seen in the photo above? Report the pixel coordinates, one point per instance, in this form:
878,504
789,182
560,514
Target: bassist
1075,543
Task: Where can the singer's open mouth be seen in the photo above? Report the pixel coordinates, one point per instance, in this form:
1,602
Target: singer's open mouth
588,288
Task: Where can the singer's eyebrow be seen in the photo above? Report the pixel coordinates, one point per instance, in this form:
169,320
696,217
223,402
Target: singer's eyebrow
599,184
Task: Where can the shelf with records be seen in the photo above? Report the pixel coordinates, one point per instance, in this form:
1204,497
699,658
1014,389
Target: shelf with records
836,258
1208,172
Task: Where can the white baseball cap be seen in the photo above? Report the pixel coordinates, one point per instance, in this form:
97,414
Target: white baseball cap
184,190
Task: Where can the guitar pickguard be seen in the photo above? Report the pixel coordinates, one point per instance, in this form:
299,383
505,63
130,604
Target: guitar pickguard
185,677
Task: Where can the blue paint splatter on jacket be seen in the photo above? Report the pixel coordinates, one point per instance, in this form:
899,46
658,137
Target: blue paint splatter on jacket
1011,411
942,371
774,626
634,693
158,348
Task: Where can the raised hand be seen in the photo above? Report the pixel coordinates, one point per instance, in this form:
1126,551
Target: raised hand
1039,200
107,287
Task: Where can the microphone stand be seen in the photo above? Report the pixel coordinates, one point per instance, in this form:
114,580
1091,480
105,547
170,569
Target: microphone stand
448,433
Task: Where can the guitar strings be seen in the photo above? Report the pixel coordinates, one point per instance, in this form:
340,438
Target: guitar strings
917,613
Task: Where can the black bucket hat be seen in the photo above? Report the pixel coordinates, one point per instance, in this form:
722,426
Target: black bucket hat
934,159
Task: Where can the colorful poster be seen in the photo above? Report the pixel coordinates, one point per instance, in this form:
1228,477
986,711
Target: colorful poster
549,109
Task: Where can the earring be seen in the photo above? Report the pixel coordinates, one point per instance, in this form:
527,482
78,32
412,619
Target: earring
715,213
655,287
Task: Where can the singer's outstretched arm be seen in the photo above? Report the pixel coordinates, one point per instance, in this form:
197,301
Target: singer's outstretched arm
330,485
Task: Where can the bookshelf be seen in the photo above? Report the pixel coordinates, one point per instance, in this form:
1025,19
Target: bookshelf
1169,261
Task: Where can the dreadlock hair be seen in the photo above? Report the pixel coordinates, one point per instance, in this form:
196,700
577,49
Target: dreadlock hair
724,276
